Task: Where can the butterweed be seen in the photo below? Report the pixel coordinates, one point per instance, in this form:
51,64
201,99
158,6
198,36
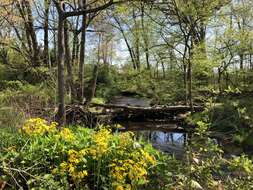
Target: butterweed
116,161
67,135
38,126
131,171
101,142
75,166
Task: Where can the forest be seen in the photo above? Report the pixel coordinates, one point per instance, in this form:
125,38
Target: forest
126,94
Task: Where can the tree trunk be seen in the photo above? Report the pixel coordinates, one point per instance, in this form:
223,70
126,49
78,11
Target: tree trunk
77,49
241,61
185,82
250,61
54,37
61,115
25,11
227,79
145,38
4,56
189,73
75,43
131,53
68,62
31,31
219,79
157,70
163,68
136,42
93,85
137,52
82,57
46,52
74,47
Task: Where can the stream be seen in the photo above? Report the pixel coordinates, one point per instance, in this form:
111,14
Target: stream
158,131
152,131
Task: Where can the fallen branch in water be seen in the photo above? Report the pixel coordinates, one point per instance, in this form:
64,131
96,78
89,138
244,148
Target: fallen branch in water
179,108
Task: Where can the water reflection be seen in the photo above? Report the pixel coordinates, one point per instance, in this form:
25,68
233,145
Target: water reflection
169,142
155,132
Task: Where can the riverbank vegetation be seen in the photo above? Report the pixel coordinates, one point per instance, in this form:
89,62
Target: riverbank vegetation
75,74
40,156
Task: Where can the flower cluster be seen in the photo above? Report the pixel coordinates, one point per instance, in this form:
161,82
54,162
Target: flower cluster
125,140
101,142
38,126
67,135
116,161
75,166
129,172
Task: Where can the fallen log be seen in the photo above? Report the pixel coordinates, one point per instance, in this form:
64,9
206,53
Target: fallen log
161,116
179,108
132,113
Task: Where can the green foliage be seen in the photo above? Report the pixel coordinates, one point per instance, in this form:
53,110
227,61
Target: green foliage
230,118
204,166
106,82
242,164
36,75
10,116
106,92
226,117
105,75
24,73
208,167
12,85
223,117
28,100
98,101
11,138
41,156
159,90
27,94
231,90
202,128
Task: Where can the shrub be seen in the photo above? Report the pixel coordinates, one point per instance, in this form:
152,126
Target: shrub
28,97
41,156
78,158
36,75
13,85
10,116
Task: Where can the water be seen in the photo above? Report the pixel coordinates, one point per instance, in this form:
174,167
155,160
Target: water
155,132
159,135
164,138
169,142
130,101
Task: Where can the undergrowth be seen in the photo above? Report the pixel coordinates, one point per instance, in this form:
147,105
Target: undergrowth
39,155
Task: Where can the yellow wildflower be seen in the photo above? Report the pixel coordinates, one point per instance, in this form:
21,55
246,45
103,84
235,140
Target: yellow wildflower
67,135
63,166
73,156
128,187
150,159
126,139
101,140
38,126
118,126
119,187
74,166
71,169
55,170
